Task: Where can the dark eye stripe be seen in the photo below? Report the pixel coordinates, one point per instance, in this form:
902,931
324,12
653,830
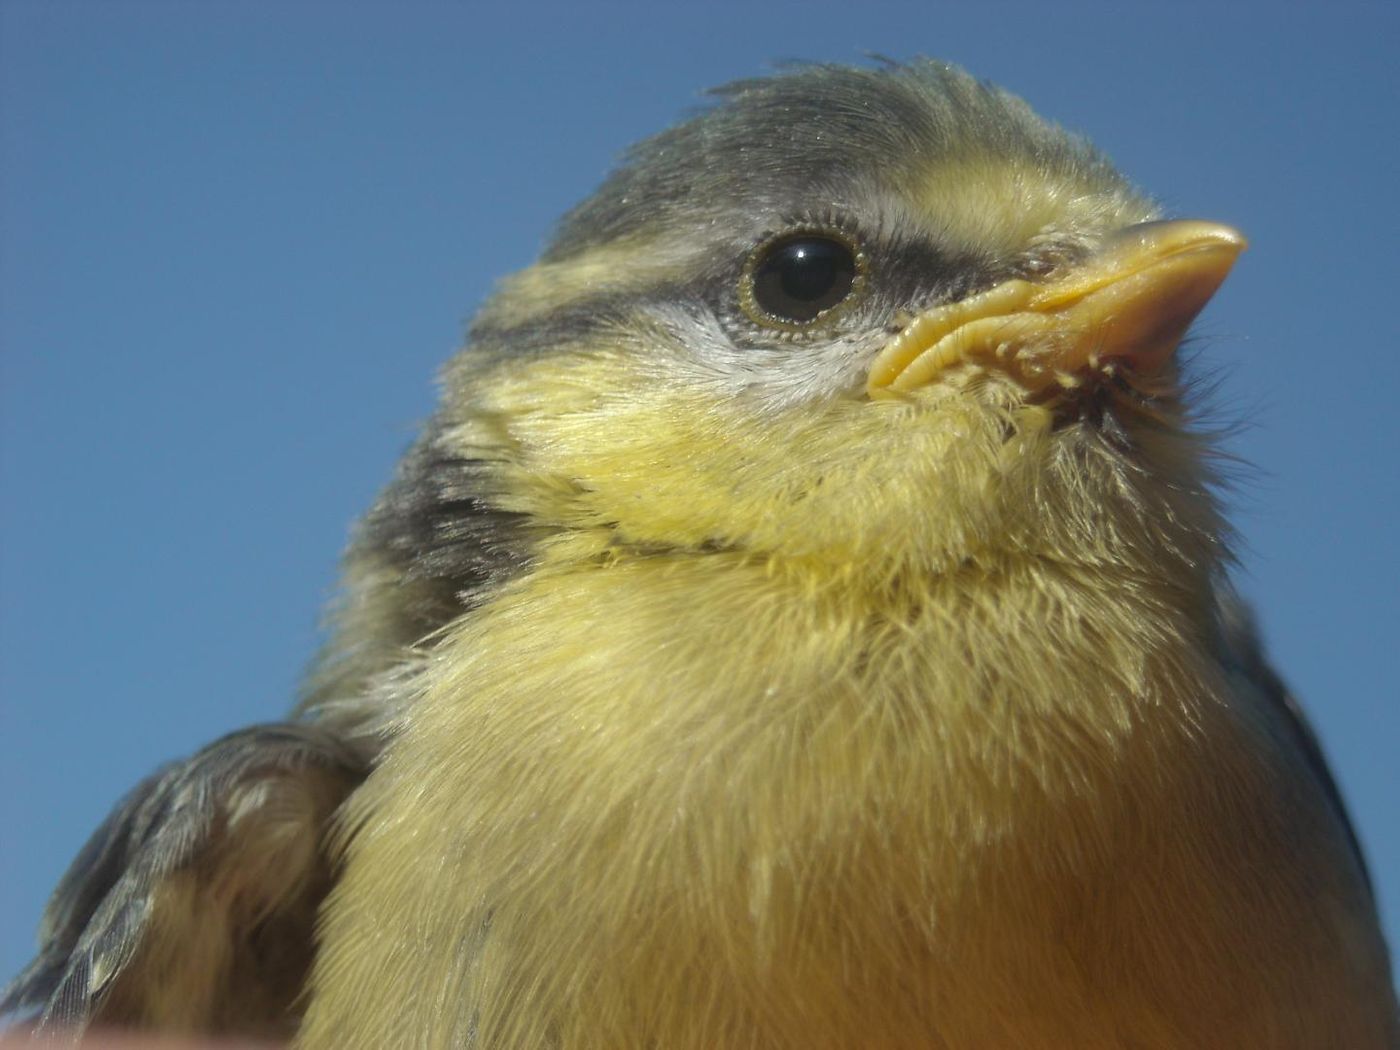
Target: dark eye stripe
905,275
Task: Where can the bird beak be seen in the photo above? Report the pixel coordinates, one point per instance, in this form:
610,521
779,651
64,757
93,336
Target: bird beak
1130,302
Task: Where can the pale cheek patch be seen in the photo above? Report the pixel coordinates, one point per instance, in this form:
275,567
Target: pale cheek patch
696,351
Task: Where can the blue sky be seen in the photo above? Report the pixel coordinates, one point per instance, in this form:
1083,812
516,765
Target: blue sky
237,240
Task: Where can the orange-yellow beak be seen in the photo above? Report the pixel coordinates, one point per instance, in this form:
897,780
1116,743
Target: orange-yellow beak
1133,301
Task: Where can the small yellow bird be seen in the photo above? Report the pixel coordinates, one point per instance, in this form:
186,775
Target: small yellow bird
803,625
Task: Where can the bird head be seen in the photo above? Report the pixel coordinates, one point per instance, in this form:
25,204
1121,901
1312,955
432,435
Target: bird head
883,320
876,324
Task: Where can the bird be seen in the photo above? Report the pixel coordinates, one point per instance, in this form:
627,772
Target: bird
806,621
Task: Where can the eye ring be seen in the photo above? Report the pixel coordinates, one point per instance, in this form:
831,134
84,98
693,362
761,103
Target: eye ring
802,278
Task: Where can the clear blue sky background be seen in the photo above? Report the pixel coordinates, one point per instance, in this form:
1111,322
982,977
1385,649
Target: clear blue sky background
238,239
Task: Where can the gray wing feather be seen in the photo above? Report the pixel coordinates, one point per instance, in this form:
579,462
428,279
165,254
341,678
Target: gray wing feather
101,911
1244,653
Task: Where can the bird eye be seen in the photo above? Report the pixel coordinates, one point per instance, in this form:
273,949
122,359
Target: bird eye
797,278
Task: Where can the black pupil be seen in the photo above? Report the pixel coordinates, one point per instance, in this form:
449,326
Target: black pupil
802,276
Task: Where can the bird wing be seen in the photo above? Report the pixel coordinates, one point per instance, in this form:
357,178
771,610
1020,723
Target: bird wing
193,906
1244,653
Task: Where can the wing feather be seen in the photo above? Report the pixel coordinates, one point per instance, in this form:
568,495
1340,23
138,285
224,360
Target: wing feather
192,907
1244,653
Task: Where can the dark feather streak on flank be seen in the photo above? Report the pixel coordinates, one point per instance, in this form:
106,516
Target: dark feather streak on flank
429,547
436,522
